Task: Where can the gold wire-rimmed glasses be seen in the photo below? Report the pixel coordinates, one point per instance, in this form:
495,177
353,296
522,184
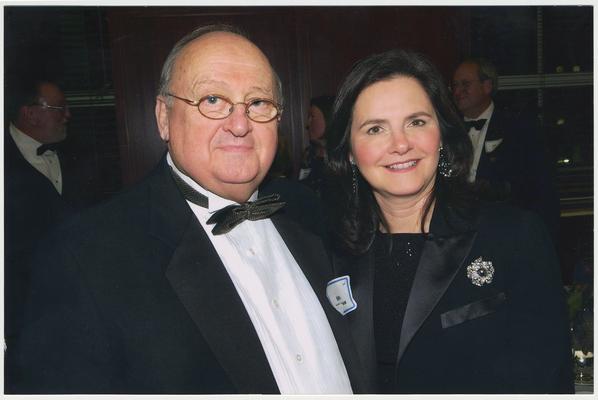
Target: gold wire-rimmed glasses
42,104
215,106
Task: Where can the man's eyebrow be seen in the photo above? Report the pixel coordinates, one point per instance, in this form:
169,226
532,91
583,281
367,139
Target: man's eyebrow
262,90
204,82
223,84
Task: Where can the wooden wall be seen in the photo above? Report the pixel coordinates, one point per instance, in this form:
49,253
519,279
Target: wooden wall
311,48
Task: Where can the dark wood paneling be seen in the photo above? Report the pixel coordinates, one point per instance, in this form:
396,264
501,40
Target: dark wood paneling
312,48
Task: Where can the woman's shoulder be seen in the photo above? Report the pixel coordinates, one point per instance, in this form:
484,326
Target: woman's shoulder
497,216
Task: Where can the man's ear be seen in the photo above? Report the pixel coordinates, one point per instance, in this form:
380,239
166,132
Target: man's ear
29,115
162,118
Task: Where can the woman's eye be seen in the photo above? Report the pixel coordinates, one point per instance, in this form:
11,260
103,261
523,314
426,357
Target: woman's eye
417,122
374,130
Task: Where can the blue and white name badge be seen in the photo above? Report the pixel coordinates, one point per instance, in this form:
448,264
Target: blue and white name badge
340,296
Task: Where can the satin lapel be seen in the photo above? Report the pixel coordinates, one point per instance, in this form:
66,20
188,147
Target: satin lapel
209,296
440,260
309,253
361,321
204,287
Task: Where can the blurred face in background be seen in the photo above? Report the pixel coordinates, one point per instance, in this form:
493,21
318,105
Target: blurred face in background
472,96
50,115
316,123
395,139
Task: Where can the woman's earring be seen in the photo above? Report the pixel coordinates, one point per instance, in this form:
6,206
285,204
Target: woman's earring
444,166
354,176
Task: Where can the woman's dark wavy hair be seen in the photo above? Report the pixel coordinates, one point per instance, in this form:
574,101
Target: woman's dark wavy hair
355,217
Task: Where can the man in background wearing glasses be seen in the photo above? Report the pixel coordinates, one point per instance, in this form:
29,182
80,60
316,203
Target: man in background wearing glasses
191,282
36,115
511,162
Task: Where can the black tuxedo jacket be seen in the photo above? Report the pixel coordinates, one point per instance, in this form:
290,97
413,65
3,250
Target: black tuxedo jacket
32,206
133,298
509,336
518,170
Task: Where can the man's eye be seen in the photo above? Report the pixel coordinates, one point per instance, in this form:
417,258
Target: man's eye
212,99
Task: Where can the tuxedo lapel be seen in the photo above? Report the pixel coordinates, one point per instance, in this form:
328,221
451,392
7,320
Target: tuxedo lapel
205,289
361,320
209,296
442,256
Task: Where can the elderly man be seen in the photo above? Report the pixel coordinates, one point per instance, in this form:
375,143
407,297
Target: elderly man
510,159
173,287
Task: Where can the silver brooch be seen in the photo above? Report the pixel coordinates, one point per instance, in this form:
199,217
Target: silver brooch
480,272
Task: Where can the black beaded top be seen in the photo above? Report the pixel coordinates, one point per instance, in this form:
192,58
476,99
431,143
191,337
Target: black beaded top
396,259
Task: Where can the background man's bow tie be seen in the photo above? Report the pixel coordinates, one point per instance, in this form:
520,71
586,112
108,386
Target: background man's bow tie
46,147
228,217
477,124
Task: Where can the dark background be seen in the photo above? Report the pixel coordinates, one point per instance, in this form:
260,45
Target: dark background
108,60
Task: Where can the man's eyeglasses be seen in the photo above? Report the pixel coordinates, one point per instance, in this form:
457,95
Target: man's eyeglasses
460,85
61,109
215,106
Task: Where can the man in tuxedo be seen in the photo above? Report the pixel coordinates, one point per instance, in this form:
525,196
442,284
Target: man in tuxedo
510,160
33,181
190,282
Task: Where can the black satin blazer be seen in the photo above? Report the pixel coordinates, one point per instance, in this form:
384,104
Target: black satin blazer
506,336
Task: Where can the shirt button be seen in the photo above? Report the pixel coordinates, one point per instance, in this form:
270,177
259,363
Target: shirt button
275,303
250,252
299,358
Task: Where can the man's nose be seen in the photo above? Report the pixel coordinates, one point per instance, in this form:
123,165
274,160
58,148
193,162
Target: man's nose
238,123
67,113
457,89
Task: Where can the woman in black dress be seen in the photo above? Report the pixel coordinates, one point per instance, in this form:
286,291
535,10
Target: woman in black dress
452,296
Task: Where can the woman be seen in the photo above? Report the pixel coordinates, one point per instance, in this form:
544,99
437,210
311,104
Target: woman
452,297
312,166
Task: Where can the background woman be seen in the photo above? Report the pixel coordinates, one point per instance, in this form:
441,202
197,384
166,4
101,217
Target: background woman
452,296
314,156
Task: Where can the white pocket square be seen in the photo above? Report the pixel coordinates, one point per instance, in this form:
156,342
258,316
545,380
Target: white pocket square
491,145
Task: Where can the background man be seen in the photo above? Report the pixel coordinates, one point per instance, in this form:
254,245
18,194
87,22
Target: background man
33,181
145,294
510,160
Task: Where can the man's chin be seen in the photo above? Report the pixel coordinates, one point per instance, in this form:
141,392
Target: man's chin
60,136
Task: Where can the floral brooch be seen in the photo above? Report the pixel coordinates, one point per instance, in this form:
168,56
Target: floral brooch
480,272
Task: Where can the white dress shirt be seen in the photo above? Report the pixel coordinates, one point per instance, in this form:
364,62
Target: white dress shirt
284,310
47,164
478,138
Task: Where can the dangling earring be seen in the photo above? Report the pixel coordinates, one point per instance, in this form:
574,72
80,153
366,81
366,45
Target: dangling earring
353,176
444,166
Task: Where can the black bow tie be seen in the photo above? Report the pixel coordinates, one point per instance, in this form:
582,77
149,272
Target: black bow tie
477,124
228,217
46,147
